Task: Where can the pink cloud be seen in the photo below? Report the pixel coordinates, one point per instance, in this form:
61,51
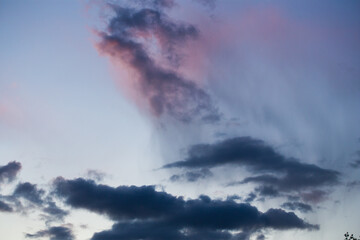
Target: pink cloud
147,48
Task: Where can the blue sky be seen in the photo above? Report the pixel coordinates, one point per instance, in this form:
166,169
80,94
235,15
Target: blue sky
91,90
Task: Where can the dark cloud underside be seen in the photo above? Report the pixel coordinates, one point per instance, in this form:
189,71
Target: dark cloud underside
143,212
274,169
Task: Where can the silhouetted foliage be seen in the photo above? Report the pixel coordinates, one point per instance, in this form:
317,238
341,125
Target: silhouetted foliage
350,237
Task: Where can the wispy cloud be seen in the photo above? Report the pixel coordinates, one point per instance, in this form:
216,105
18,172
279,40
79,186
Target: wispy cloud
131,36
54,233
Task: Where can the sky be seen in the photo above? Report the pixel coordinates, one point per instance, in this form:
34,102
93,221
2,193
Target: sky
184,120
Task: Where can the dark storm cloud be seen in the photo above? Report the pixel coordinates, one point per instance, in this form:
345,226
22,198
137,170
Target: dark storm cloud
157,231
54,233
280,219
144,212
165,90
118,203
9,171
302,207
4,207
30,192
279,172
